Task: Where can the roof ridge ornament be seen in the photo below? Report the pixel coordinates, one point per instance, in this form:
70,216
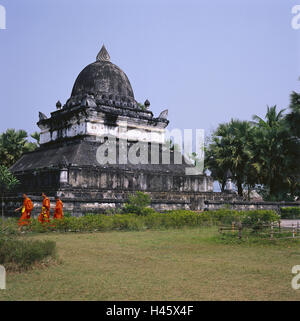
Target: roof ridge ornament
103,55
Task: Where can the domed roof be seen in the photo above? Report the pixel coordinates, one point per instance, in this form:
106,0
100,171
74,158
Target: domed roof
103,80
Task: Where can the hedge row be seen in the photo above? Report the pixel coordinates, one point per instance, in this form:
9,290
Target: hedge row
134,222
290,212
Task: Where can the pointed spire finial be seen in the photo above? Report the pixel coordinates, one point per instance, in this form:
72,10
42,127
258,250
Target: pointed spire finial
103,55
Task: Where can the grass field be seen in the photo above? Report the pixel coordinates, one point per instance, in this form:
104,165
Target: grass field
185,264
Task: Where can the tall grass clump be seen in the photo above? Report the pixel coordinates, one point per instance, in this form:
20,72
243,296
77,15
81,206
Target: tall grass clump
21,254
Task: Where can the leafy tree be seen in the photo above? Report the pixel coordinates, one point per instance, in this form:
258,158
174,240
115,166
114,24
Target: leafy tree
264,153
272,151
142,106
194,157
171,145
213,162
137,203
7,182
12,145
36,136
293,124
230,150
293,118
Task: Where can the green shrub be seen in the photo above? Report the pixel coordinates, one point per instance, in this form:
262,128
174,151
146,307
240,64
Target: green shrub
147,211
67,214
129,222
259,217
225,216
177,219
137,203
290,212
21,254
113,211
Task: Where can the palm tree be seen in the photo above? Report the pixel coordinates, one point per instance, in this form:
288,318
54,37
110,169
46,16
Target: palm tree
272,118
12,145
263,152
293,123
36,136
293,118
213,162
271,150
230,151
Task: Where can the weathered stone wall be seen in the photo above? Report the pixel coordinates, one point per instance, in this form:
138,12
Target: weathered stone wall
78,203
249,205
94,178
97,122
95,201
38,180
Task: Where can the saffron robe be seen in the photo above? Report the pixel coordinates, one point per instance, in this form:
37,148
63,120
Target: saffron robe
26,212
58,213
45,214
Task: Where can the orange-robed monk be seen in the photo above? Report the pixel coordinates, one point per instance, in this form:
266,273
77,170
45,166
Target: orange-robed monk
26,211
45,214
58,213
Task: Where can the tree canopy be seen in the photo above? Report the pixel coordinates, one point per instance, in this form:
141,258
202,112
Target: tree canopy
263,153
13,144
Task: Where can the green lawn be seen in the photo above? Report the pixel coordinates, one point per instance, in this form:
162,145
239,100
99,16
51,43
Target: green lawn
185,264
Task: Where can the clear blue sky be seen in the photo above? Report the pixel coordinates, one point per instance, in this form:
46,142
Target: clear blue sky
206,61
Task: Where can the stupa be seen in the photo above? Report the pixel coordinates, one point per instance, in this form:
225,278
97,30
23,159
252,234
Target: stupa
69,163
